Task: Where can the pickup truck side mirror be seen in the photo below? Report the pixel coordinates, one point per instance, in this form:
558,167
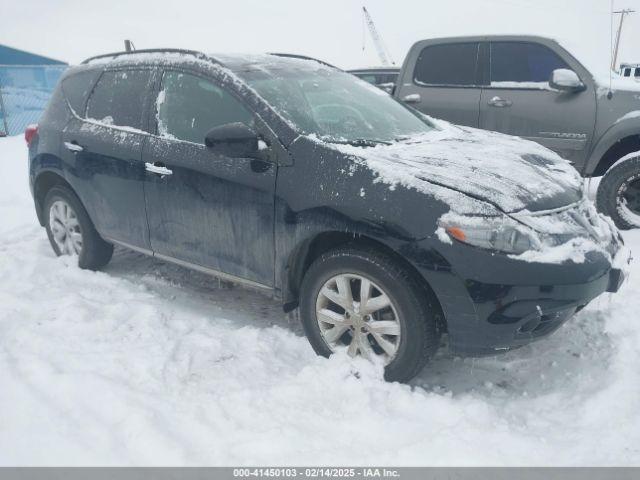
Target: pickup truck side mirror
235,140
566,81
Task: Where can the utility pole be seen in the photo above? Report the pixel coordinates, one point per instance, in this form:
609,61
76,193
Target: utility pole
622,13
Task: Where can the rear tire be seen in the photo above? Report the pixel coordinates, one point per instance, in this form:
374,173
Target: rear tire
619,194
407,327
71,231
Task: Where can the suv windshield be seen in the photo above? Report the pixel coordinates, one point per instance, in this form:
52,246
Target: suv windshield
335,106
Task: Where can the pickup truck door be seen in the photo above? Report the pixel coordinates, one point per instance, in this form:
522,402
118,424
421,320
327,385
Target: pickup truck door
444,81
518,100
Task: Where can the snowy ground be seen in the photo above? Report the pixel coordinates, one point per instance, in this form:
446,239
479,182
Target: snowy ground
147,363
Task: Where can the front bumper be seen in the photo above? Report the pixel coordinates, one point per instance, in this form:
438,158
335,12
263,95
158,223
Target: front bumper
493,303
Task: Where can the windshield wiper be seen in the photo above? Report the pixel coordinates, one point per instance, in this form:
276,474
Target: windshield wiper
363,142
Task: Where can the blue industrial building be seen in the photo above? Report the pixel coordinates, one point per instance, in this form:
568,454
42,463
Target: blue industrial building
26,83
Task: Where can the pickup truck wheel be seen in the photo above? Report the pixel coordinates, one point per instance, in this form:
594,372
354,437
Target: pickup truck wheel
71,231
363,303
619,194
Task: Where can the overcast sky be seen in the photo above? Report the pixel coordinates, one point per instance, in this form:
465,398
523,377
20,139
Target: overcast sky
72,30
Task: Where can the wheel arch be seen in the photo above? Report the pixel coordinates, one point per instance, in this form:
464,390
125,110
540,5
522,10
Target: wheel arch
615,144
45,181
312,248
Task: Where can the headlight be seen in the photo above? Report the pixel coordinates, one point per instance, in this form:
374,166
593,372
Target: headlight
499,233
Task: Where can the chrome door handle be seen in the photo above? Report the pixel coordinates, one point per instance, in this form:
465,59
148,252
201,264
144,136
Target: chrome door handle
158,169
412,98
500,102
73,147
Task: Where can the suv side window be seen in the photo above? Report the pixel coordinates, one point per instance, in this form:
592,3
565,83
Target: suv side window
523,62
189,106
449,64
77,87
118,98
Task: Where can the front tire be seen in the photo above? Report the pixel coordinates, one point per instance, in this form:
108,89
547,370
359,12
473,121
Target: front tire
71,231
619,194
362,301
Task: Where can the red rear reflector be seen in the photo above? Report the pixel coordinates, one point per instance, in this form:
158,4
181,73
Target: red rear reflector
456,233
30,132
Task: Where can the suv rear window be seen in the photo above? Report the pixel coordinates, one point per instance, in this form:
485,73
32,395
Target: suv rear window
451,64
77,87
118,98
523,62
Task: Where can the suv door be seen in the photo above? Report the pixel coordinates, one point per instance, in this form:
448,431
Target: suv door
444,81
520,102
103,147
207,210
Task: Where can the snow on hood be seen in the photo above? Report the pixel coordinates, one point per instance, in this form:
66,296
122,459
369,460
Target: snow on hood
616,83
511,173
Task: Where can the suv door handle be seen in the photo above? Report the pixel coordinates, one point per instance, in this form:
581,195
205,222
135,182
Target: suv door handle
157,168
499,102
73,147
412,98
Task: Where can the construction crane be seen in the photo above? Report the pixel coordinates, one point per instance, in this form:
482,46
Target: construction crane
383,53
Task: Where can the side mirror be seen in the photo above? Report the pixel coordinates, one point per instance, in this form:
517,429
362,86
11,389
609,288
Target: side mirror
235,140
566,81
387,87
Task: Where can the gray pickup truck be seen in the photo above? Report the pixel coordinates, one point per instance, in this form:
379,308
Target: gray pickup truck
534,88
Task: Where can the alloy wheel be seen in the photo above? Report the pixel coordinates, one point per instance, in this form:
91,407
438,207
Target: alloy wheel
355,313
65,228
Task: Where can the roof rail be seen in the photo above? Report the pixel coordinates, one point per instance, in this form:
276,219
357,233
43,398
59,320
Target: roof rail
303,57
195,53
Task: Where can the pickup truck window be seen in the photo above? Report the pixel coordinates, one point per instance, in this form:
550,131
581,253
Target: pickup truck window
523,63
448,64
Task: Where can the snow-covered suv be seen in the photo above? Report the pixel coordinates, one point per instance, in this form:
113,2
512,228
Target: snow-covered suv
382,227
534,88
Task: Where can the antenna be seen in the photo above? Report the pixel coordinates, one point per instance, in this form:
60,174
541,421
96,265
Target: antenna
384,55
610,93
129,46
622,14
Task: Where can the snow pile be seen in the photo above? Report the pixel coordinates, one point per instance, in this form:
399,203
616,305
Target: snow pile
506,171
147,363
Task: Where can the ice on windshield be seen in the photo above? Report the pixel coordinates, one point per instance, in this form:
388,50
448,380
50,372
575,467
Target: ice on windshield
334,106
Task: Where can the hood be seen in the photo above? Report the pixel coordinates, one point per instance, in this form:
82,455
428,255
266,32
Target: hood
508,172
615,84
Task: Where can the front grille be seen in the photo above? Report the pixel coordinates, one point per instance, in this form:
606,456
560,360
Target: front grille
579,220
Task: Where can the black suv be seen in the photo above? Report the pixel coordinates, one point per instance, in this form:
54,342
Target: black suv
383,227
